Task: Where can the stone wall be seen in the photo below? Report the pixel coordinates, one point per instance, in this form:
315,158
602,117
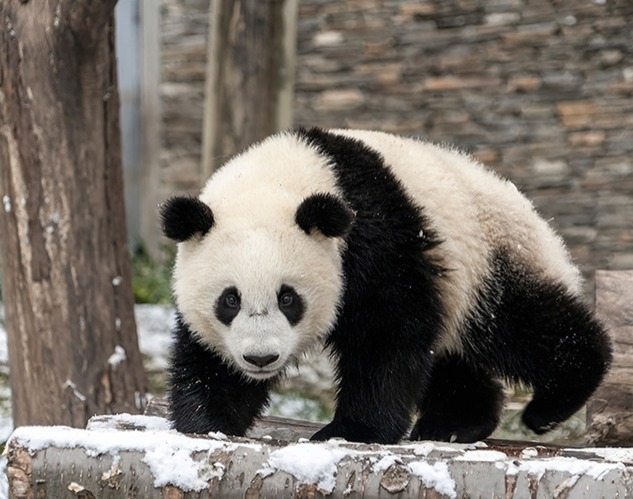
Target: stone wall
540,90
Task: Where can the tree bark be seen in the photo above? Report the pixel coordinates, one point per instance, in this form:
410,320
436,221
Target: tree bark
610,410
250,75
72,340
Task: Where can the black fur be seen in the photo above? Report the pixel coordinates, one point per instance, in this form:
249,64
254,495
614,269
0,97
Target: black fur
535,332
392,310
183,216
325,212
206,394
462,404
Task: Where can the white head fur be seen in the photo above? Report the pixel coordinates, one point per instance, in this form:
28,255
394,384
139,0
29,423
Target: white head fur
256,247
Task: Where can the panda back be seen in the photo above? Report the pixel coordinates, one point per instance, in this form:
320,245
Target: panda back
477,215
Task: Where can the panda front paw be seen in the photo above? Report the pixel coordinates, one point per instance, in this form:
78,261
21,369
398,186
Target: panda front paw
461,435
331,430
443,430
354,431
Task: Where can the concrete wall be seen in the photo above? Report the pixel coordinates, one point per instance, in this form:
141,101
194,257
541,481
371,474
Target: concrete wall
540,90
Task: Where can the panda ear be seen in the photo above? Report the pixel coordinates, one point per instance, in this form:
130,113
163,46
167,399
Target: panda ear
325,212
184,216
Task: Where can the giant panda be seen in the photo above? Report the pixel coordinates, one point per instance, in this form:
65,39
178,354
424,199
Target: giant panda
429,278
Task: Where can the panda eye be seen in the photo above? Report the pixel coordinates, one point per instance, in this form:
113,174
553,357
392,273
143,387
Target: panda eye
286,299
231,300
290,304
228,305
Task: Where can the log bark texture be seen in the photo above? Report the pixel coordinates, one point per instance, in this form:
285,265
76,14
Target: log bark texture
610,411
65,265
250,75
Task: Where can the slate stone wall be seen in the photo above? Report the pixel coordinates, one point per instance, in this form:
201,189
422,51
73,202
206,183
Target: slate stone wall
540,90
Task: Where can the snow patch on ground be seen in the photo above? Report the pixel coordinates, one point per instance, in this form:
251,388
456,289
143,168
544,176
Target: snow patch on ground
154,324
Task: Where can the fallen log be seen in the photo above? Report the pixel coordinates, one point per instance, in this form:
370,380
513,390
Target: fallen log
139,456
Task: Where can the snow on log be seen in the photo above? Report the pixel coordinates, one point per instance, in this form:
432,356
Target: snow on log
139,456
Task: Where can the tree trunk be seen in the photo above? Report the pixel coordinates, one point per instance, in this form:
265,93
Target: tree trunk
72,340
250,75
610,410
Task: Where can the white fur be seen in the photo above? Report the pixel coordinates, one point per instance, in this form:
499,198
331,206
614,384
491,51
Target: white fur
256,246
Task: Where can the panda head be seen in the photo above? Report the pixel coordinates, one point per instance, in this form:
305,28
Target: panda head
258,285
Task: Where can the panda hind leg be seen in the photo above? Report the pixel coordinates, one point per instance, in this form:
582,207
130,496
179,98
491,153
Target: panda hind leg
462,403
542,335
566,372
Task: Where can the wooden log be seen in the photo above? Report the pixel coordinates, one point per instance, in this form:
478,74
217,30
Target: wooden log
146,459
610,412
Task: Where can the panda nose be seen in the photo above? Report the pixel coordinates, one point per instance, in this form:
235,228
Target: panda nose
261,360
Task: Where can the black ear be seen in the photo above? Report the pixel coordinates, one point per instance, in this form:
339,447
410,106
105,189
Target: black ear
184,216
325,212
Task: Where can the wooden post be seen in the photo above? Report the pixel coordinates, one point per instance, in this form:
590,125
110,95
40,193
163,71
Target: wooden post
610,411
73,349
151,125
250,75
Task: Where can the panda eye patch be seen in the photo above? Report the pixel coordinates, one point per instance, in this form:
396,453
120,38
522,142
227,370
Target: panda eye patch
228,305
290,304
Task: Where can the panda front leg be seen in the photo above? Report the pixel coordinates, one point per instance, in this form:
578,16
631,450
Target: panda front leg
208,395
376,394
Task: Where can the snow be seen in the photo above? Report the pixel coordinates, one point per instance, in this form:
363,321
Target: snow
573,466
308,463
154,324
117,357
617,454
152,423
529,452
386,462
421,448
435,476
78,395
482,456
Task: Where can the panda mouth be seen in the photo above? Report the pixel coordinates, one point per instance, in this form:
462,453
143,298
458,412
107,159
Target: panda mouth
261,374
